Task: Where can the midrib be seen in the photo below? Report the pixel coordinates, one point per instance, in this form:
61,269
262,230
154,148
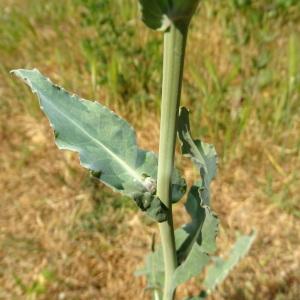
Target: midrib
122,163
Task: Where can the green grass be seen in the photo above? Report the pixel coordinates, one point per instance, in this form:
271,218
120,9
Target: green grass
120,55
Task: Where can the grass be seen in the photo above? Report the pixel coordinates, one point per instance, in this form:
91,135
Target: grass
243,82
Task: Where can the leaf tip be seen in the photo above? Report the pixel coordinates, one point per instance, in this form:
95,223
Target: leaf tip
15,72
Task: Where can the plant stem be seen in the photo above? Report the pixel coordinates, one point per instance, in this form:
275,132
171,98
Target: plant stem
174,50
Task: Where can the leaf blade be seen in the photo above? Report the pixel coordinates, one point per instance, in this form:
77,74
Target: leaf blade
106,143
203,228
192,266
71,112
220,270
203,155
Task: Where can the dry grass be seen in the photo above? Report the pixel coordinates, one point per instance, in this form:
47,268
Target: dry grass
63,236
43,240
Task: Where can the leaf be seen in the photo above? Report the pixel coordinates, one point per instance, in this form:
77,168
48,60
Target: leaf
203,155
178,187
153,270
154,267
202,230
192,254
202,296
204,225
155,263
219,271
160,14
151,205
106,143
192,266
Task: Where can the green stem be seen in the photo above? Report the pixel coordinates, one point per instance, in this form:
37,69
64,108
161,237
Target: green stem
174,50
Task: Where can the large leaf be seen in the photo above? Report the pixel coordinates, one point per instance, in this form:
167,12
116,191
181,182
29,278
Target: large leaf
159,14
106,143
221,268
203,155
204,225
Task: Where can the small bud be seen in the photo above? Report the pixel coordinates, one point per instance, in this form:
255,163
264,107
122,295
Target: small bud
150,184
160,14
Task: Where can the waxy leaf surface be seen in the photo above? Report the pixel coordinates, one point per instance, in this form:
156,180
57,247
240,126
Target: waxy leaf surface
106,143
203,155
153,270
191,266
204,225
221,268
203,228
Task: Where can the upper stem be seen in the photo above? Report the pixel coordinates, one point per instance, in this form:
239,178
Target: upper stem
174,51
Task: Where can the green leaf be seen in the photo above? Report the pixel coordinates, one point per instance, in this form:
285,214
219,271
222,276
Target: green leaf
153,270
154,264
106,143
203,155
202,296
198,238
192,266
221,268
202,230
160,14
178,187
151,205
192,253
204,225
